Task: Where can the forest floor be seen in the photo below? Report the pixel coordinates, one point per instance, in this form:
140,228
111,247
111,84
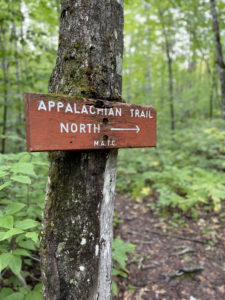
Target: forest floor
175,258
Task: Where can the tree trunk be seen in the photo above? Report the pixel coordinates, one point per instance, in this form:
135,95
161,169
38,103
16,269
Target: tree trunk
76,241
18,87
162,83
171,99
5,67
149,78
219,52
170,69
149,65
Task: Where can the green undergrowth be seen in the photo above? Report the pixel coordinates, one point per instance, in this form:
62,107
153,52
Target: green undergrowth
23,179
185,171
120,257
22,190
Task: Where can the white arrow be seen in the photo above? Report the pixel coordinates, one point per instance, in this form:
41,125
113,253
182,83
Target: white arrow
137,129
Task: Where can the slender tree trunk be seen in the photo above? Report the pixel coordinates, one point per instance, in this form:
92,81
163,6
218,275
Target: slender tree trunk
76,241
129,92
213,89
5,67
18,86
170,73
219,52
171,99
162,83
211,105
149,77
170,69
149,69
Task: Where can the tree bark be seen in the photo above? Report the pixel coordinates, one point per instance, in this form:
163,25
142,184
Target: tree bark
149,77
76,241
5,67
170,69
219,52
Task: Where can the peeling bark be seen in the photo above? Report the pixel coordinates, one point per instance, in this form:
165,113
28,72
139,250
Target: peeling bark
76,241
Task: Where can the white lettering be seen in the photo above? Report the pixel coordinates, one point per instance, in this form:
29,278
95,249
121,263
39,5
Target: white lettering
100,110
82,128
42,105
92,111
142,114
73,127
136,113
97,128
68,108
89,127
51,104
132,113
111,113
118,112
79,128
59,105
102,143
84,110
63,127
150,114
75,109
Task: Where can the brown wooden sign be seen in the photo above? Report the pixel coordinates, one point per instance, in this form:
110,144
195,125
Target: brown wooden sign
55,122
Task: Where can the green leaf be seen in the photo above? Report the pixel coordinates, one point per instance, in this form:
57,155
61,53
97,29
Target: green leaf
23,168
3,168
15,264
15,296
114,288
21,179
14,207
22,252
119,251
33,235
23,290
5,185
27,244
5,201
26,224
117,272
5,292
4,260
38,287
8,234
33,295
3,174
6,222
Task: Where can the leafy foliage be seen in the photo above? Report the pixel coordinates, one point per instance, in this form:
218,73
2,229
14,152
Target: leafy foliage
120,251
22,196
185,172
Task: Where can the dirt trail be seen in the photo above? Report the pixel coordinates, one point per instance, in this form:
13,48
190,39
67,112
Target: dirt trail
181,259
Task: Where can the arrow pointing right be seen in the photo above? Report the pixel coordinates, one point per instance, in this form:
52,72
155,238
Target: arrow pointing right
137,129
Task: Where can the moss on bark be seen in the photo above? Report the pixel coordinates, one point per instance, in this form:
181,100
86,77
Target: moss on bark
71,240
